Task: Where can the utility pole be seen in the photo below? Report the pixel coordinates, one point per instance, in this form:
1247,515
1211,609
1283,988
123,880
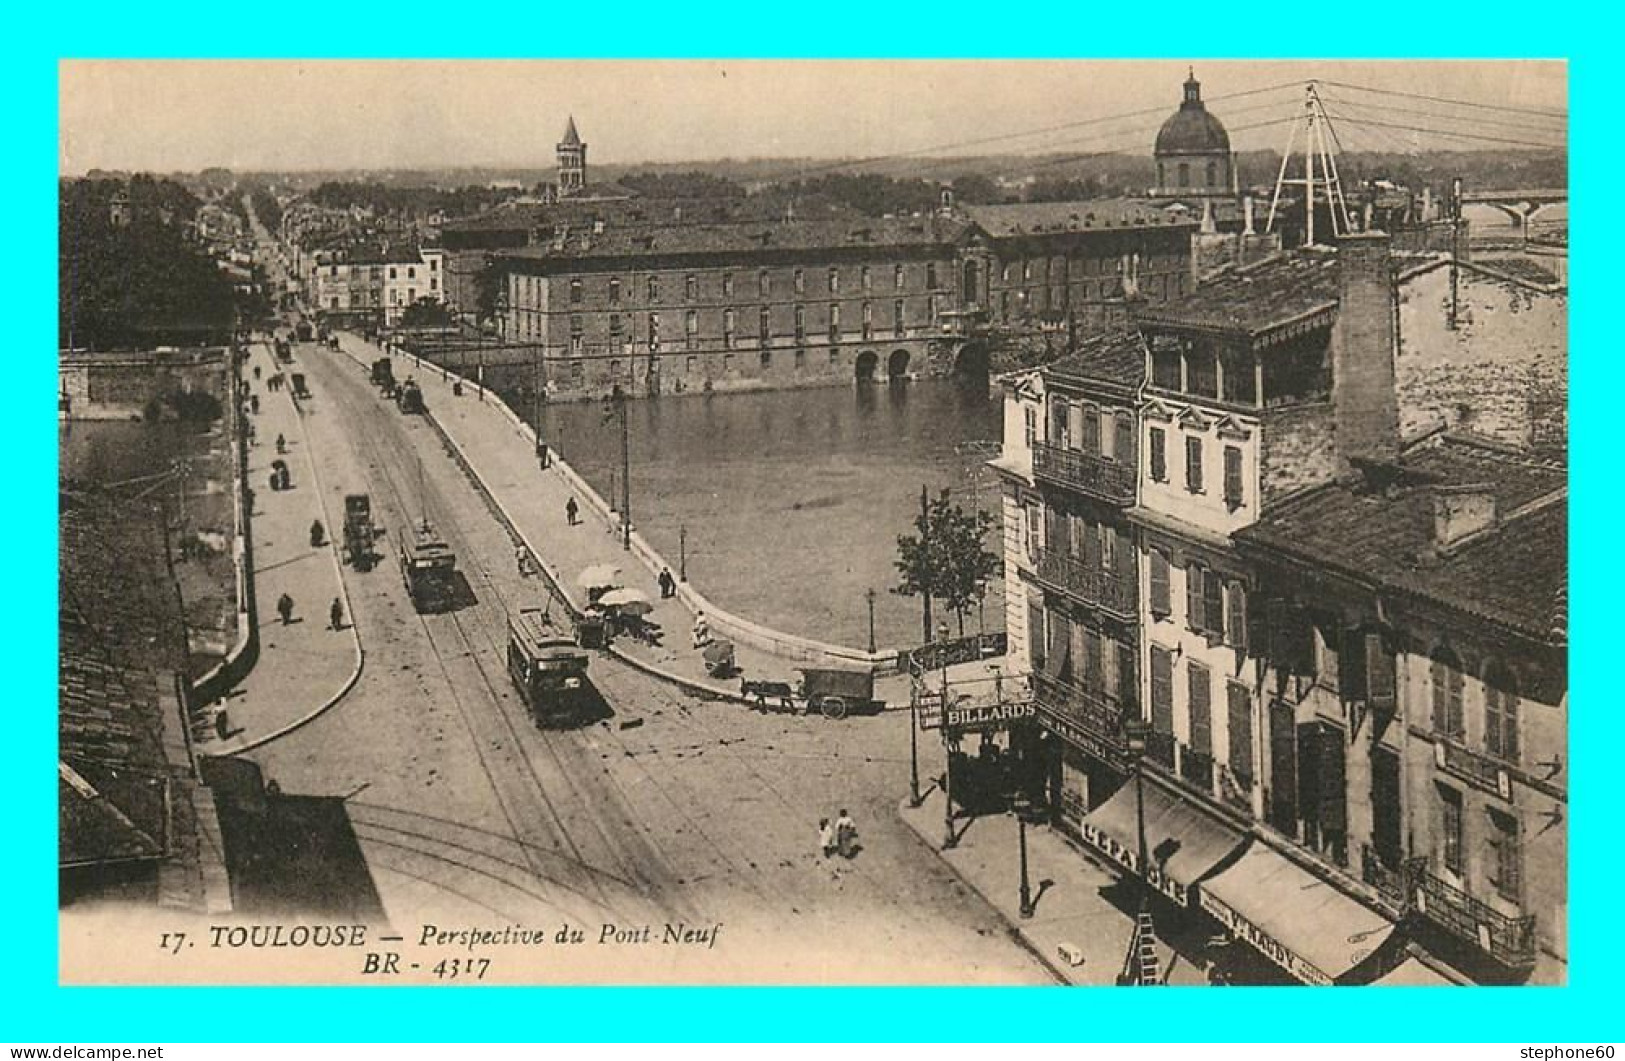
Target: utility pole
925,548
619,397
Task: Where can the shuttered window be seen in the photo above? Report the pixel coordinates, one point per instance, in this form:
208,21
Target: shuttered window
1213,603
1450,832
1381,680
1059,660
1239,731
1193,464
1195,610
1123,449
1093,678
1232,477
1162,689
1506,856
1201,705
1159,455
1448,717
1161,588
1283,805
1091,430
1128,687
1235,627
1500,714
1035,633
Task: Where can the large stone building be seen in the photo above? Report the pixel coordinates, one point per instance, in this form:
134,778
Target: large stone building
1193,151
1356,703
798,301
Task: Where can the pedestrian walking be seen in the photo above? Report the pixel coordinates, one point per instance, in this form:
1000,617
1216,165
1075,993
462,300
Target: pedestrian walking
702,630
284,608
335,615
571,511
318,533
256,372
826,837
846,835
281,444
668,585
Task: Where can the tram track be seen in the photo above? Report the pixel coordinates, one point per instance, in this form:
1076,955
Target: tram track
462,643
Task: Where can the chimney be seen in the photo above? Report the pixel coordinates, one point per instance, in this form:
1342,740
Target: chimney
1461,511
1364,398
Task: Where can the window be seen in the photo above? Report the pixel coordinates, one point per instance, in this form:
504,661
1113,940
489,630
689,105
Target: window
1450,831
691,327
1193,464
434,264
834,356
615,291
801,282
764,324
575,288
391,272
1328,667
1184,174
868,320
931,276
577,325
801,358
1212,604
1161,584
1026,271
727,363
1212,174
1201,705
1448,717
834,322
1239,730
1201,372
615,369
578,372
1195,610
727,285
614,324
1004,304
865,281
577,345
897,318
1035,525
1232,477
1162,689
1506,856
1236,619
931,309
801,326
1159,455
1165,366
691,287
728,329
1123,446
411,272
1090,442
654,288
764,283
1500,713
690,364
897,277
834,281
654,331
767,359
1029,417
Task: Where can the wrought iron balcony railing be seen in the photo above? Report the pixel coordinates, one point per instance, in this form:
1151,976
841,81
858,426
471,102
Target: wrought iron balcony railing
1509,940
1100,715
1091,585
1099,477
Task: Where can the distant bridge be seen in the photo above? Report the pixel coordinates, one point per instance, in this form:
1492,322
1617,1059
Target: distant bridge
1520,204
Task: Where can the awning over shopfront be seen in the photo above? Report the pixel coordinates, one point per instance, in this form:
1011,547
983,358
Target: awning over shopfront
1295,919
1412,973
1184,840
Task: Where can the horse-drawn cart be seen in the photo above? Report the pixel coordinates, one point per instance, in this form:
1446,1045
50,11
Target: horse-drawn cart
829,691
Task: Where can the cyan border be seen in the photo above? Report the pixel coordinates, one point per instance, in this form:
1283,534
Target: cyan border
38,36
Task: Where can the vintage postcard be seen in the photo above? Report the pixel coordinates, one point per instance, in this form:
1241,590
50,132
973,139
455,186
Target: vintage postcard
846,522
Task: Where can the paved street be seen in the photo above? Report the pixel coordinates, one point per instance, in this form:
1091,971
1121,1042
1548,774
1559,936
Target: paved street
706,812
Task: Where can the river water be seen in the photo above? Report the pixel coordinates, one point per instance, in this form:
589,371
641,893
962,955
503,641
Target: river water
793,500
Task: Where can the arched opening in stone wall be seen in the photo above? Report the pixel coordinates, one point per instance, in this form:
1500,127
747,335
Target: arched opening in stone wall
897,366
865,365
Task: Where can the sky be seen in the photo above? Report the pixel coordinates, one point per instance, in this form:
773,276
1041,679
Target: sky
186,115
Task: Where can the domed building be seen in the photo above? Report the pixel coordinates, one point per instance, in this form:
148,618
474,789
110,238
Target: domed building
1193,151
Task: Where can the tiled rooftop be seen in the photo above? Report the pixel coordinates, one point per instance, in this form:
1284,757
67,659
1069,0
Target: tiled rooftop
1255,298
1026,219
1515,575
734,238
1116,357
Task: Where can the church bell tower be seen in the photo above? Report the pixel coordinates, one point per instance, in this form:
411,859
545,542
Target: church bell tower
572,155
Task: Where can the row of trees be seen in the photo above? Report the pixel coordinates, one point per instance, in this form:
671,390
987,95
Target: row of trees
414,201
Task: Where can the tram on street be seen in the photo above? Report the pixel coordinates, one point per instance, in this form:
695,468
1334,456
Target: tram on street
549,669
429,569
409,397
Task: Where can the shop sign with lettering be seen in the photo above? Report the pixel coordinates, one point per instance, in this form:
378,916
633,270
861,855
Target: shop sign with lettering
1129,859
1263,942
984,716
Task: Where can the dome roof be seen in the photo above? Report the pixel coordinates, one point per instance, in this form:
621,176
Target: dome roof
1191,130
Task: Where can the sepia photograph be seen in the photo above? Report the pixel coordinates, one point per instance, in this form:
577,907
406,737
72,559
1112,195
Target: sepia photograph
1087,523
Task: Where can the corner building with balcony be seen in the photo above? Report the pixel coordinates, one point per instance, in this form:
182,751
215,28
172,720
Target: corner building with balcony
1283,801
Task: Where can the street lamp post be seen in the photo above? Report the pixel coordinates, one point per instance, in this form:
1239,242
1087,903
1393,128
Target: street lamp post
1138,731
682,553
981,614
1022,809
869,595
950,838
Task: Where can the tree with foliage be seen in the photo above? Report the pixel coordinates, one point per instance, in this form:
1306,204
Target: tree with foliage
946,558
426,313
696,184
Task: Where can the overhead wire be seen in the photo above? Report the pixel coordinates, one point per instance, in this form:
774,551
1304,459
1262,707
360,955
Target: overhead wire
1387,107
1477,137
1443,99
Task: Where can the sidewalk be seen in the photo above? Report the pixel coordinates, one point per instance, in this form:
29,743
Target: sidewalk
1073,897
303,666
535,500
